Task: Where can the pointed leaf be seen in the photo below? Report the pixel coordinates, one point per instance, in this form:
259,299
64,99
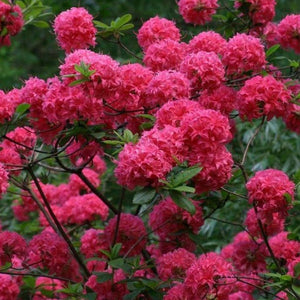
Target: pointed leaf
144,196
272,50
183,202
185,175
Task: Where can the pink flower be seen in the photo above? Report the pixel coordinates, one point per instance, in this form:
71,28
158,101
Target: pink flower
167,219
6,108
141,165
247,256
110,289
103,82
92,241
173,265
74,29
206,278
131,232
243,53
11,22
11,245
84,208
271,34
155,30
206,125
259,11
216,162
208,41
204,70
3,180
172,113
48,250
197,12
289,31
177,292
292,118
263,96
283,248
165,55
267,190
48,284
9,289
271,227
166,86
222,99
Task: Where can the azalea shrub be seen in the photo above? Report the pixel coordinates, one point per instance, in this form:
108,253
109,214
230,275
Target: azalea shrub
154,178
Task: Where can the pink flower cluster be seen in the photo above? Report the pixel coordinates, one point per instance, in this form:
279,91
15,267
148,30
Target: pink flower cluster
263,96
74,29
268,191
197,12
259,11
289,32
167,219
11,22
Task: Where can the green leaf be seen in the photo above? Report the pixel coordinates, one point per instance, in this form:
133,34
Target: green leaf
126,27
288,198
40,24
185,175
297,270
272,50
147,116
115,250
103,276
184,188
144,196
22,108
29,281
90,296
182,201
100,24
117,263
132,295
119,22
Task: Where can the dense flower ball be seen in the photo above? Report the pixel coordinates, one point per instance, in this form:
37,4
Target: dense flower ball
11,22
157,29
283,248
206,278
6,108
166,86
131,232
9,289
263,96
208,41
50,251
74,29
165,55
85,208
141,165
43,284
267,190
11,244
270,228
174,264
206,125
259,11
197,12
103,82
289,31
92,241
222,99
247,255
243,53
3,180
172,113
292,118
167,220
216,162
204,70
271,34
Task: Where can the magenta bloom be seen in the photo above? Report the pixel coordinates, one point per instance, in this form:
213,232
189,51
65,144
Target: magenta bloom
74,29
